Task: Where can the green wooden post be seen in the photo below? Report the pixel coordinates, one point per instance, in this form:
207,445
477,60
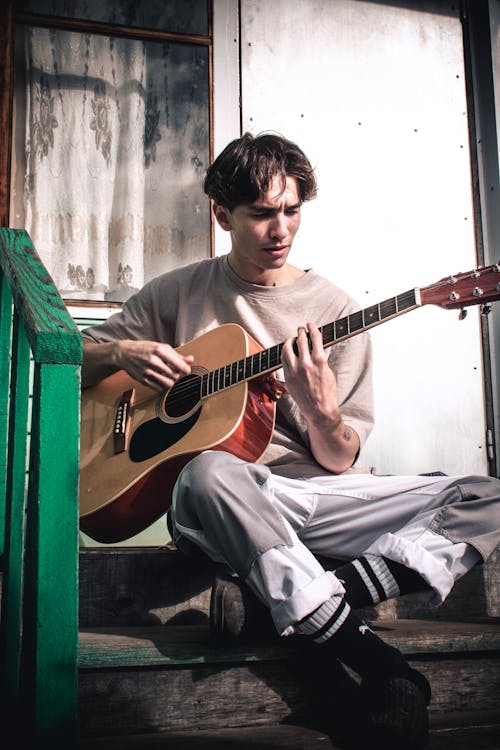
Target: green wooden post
47,684
5,339
50,637
11,614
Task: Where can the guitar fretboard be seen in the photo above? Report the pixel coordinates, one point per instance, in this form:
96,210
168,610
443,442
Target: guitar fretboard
268,360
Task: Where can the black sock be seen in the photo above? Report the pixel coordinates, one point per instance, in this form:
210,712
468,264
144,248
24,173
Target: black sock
372,579
337,628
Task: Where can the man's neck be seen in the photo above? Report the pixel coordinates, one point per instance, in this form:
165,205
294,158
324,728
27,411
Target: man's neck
283,276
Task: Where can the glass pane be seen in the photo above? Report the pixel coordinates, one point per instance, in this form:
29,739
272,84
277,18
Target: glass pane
175,16
112,145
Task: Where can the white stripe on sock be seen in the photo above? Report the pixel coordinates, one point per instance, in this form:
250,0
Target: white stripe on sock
384,575
342,616
320,617
367,581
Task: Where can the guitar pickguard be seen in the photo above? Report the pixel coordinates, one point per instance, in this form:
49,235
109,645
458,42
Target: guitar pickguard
155,436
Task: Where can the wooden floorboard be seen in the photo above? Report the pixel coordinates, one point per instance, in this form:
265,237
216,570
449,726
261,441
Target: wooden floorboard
170,645
285,737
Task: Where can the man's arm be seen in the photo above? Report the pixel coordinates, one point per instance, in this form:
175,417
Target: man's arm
152,363
312,384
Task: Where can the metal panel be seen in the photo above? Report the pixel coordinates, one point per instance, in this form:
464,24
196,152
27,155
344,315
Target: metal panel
375,94
489,129
481,24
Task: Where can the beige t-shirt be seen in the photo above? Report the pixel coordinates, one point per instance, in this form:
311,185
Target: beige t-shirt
180,305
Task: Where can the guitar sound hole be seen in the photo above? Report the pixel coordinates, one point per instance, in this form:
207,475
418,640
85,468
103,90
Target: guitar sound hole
183,397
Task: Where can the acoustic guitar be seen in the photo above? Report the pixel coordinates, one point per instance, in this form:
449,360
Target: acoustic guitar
136,441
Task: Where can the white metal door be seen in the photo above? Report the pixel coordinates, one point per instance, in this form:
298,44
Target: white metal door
375,95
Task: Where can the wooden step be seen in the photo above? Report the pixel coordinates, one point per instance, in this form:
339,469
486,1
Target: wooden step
143,586
168,678
468,733
148,585
147,664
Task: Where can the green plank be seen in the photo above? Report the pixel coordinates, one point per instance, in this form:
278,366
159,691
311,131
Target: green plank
11,614
182,646
50,637
51,330
171,646
5,340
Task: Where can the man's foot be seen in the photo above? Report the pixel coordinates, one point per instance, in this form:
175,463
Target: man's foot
235,612
396,708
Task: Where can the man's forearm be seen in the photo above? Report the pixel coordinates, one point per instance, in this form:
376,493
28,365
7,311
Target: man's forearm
99,361
335,445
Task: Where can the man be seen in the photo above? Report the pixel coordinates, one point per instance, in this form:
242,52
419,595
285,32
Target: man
305,498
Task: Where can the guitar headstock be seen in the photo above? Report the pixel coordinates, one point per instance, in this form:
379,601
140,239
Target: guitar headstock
463,289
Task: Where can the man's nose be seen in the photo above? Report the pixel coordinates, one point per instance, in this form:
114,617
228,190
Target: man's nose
278,226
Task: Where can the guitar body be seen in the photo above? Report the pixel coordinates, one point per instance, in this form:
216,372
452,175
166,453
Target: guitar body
129,464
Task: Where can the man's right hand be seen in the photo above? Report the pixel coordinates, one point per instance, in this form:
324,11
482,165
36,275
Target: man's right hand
152,363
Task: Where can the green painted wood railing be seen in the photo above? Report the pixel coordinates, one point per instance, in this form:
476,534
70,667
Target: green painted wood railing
40,359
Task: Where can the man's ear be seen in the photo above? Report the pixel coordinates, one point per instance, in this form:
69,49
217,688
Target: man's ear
223,216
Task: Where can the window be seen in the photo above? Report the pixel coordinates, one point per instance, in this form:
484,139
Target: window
112,124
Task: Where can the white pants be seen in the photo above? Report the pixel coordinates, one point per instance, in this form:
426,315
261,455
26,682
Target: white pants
269,528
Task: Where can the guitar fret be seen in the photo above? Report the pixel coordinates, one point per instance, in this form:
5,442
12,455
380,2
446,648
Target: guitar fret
279,352
255,364
388,308
328,333
342,329
371,315
248,368
406,301
355,321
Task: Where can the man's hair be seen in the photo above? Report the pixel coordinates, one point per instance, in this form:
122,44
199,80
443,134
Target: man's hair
248,165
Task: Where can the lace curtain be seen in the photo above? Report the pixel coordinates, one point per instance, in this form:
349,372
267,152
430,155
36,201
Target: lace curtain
116,144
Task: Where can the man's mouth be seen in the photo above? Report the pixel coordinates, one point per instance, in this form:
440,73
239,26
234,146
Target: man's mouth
278,249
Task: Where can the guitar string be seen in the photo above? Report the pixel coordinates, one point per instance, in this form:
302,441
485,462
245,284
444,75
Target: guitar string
189,386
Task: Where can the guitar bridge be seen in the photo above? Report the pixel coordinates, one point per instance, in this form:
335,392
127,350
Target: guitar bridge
122,421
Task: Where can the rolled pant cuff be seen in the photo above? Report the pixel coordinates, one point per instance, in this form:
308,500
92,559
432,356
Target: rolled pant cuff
286,613
414,556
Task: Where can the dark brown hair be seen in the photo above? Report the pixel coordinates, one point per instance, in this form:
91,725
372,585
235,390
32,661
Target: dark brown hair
247,166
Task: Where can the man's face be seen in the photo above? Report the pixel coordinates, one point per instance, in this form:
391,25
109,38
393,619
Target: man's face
262,232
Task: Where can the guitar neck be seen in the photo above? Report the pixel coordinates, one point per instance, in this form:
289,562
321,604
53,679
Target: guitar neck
268,360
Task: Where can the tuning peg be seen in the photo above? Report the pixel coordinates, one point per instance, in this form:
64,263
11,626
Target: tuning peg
486,309
462,314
